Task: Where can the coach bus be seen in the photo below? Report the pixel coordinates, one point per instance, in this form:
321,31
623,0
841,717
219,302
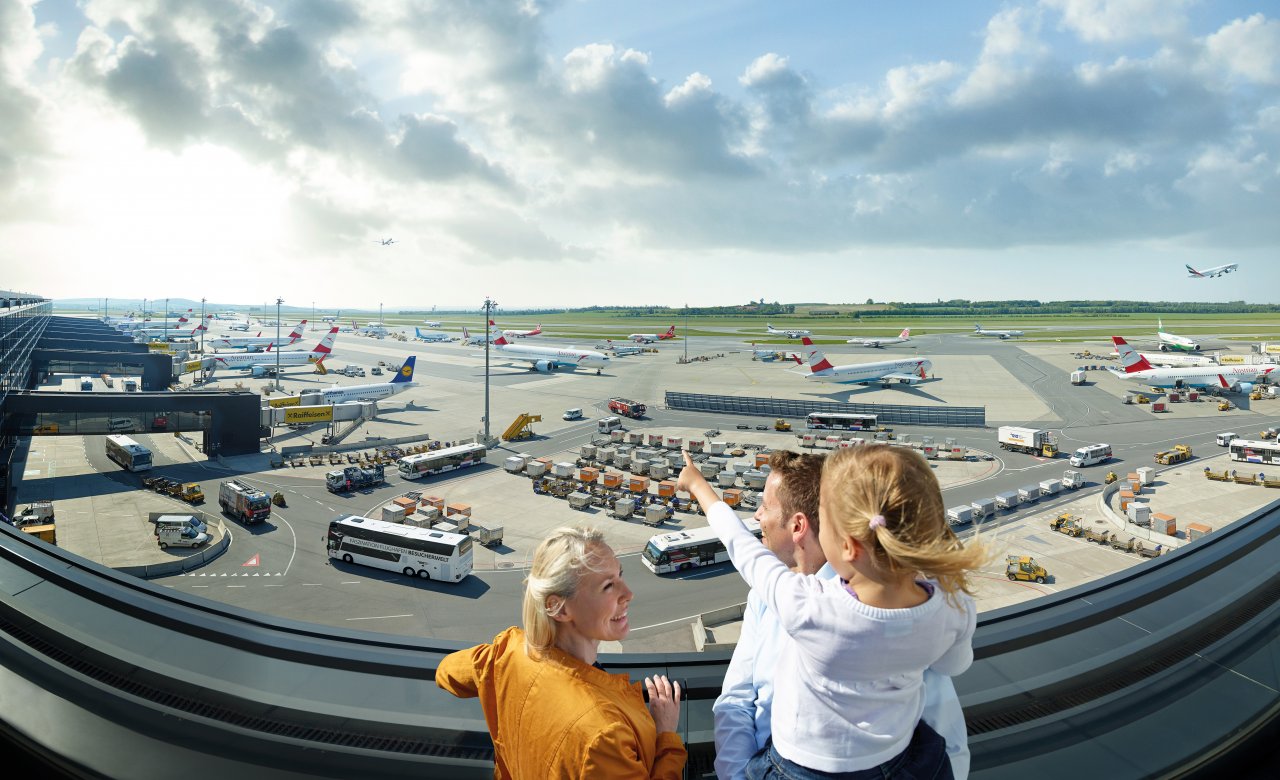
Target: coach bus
684,550
840,421
414,551
131,455
422,464
1261,452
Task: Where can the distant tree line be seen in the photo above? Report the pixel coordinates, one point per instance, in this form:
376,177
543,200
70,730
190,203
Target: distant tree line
952,308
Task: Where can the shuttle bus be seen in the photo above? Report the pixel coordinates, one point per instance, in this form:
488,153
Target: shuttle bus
131,455
422,464
840,421
1262,452
416,552
684,550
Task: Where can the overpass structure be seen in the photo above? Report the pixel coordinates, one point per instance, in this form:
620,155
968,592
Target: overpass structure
1168,669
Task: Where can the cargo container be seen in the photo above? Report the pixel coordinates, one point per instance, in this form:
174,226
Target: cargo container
1028,494
959,515
732,497
726,479
659,469
1165,524
392,513
536,468
1146,475
579,501
1139,513
611,479
562,469
656,514
1007,500
1197,530
624,508
1050,487
638,485
666,489
513,464
983,508
754,479
588,475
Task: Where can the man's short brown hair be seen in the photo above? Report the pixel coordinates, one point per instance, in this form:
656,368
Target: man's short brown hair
800,483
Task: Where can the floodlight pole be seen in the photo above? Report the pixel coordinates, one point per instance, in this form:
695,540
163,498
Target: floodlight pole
686,333
278,302
489,306
202,325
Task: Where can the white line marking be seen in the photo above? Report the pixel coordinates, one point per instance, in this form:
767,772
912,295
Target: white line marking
380,617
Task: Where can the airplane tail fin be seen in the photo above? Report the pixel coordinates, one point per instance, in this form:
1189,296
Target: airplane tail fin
297,332
405,374
671,331
501,341
817,361
905,334
1193,271
417,332
1129,358
977,326
326,344
465,334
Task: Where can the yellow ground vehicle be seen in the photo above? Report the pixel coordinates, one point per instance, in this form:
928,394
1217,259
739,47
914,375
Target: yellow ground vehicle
1225,406
1178,454
191,492
781,425
1111,477
1025,568
1066,523
1141,399
521,427
45,532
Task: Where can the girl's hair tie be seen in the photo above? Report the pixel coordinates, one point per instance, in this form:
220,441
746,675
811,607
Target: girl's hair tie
877,521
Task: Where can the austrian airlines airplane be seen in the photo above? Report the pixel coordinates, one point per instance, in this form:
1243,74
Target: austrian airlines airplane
908,371
550,358
262,360
1237,378
257,343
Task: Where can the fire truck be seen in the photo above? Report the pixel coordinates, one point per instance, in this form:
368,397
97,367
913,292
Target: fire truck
626,407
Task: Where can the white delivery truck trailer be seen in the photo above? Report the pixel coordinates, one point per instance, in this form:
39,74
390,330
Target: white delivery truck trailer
1077,377
1032,441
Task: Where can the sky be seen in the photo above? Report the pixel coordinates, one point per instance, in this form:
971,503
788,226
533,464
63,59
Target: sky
549,153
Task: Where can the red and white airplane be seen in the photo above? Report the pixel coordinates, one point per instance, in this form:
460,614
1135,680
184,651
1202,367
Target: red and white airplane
257,343
1237,378
259,362
1209,273
905,335
908,371
649,338
519,334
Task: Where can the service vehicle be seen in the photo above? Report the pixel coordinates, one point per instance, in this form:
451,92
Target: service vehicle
1025,568
1077,377
1224,439
376,371
1072,479
1032,441
1091,454
179,521
1066,523
191,492
130,385
354,478
448,459
35,513
243,501
840,421
684,550
572,414
1178,454
1269,433
781,425
627,408
416,552
180,537
607,424
47,532
130,455
1247,451
86,383
120,424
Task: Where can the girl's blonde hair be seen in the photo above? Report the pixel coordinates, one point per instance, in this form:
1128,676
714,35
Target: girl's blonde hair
888,499
558,565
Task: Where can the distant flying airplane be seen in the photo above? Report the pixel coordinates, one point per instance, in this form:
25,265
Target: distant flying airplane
905,335
649,338
910,371
1002,334
1209,273
430,336
1169,341
546,359
1238,379
519,334
384,241
791,334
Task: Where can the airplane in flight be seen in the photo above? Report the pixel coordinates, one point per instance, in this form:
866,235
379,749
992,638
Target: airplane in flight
908,371
904,336
403,380
1169,341
978,330
1209,273
256,343
428,336
260,362
1239,379
546,359
791,334
649,338
519,334
384,241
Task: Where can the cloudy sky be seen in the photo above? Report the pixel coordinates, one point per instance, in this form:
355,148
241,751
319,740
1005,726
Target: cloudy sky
578,152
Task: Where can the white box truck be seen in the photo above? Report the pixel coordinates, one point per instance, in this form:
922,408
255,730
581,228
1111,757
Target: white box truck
1077,377
1032,441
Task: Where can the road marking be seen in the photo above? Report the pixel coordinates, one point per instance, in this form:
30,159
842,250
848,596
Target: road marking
237,586
688,619
380,617
349,582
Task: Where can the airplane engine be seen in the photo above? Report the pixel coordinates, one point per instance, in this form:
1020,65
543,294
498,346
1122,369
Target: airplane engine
545,366
1243,387
257,372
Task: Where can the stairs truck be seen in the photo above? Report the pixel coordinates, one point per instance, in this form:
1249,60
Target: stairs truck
1032,441
627,408
244,502
353,478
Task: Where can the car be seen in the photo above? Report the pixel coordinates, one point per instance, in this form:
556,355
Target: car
762,427
376,371
742,427
573,414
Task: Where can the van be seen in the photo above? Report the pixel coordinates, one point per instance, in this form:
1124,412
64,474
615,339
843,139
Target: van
180,522
131,385
120,424
180,537
1094,453
1225,439
86,383
573,414
606,424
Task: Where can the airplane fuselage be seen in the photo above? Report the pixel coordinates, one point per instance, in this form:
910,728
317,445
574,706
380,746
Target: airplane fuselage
866,373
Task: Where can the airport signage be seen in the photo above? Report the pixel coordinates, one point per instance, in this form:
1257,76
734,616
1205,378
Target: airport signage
191,365
277,403
1225,359
308,414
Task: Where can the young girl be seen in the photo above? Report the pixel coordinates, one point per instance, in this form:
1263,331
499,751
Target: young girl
848,690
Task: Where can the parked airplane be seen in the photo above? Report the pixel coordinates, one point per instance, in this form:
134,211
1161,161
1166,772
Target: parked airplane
1209,273
256,343
1169,341
1167,360
147,334
152,325
619,350
908,371
369,329
259,362
549,358
476,340
227,315
403,380
905,335
167,336
519,334
791,334
333,318
1239,379
1003,334
240,326
430,336
649,338
431,323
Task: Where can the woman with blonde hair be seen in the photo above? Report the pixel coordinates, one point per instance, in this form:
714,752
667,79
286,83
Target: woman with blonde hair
849,693
551,709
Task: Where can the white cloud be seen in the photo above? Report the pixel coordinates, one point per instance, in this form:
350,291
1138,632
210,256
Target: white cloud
1114,21
1249,48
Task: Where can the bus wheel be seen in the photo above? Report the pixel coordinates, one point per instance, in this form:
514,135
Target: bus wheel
424,574
347,558
164,545
686,566
408,572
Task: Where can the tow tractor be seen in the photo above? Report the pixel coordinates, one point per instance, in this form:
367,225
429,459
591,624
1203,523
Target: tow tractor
1025,568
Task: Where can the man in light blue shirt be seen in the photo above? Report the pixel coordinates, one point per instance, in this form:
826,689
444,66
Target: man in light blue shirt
788,517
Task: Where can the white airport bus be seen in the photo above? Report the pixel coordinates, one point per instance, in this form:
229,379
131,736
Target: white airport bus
1263,452
422,464
840,421
131,455
684,550
417,552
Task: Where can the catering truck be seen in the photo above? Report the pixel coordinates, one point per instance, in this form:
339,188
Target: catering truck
244,502
1032,441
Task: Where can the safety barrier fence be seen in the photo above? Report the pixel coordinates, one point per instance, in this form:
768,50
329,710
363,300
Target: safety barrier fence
887,414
